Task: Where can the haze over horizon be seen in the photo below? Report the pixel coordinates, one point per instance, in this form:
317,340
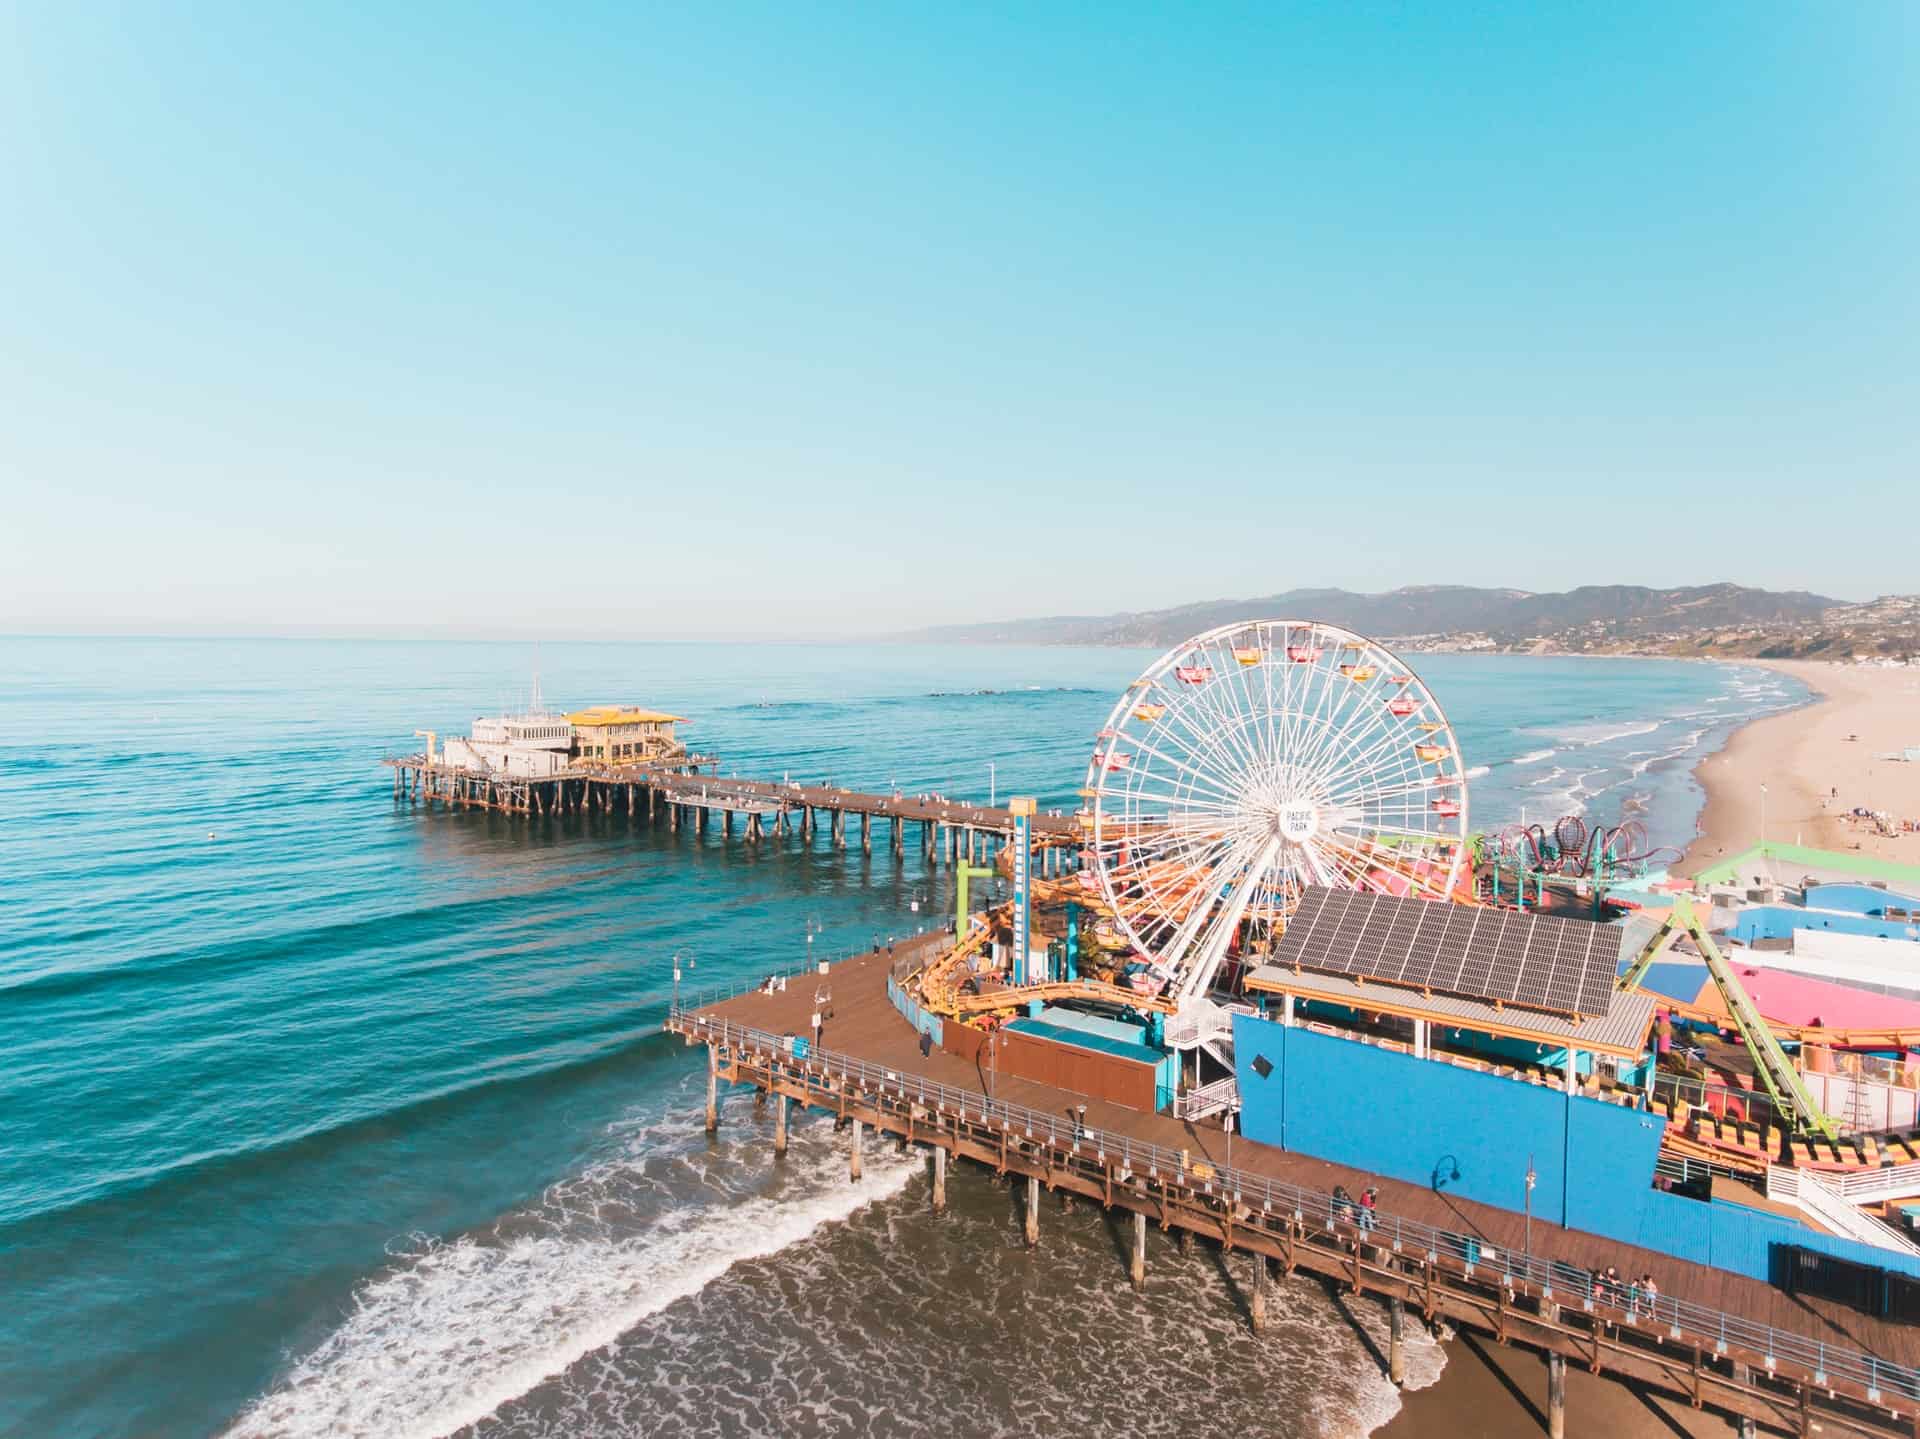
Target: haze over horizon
658,323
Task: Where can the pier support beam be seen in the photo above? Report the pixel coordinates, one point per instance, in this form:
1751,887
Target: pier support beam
1033,1210
1556,1396
1138,1269
853,1154
866,833
1396,1340
779,1125
713,1088
1743,1376
939,1180
1257,1294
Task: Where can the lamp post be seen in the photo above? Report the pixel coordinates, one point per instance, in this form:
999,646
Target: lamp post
678,956
1763,820
1532,1179
993,785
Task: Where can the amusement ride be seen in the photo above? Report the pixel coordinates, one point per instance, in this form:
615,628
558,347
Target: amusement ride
1250,762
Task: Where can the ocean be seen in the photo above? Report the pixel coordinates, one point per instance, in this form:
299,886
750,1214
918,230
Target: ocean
327,1116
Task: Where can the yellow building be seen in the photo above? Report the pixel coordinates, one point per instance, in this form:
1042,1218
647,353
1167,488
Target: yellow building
624,734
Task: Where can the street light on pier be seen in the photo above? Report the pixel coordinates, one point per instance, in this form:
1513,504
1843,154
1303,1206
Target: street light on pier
1532,1179
680,955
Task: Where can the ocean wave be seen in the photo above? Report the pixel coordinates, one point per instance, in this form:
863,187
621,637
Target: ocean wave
1591,735
1478,771
1534,756
453,1330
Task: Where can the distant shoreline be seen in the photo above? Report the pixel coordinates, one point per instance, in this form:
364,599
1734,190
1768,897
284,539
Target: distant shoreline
1812,772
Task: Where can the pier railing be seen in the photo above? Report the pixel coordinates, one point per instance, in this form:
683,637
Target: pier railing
1569,1285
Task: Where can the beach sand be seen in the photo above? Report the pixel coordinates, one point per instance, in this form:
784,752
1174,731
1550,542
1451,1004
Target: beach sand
1501,1393
1817,763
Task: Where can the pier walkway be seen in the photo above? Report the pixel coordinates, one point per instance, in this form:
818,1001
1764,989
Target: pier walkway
953,829
1718,1338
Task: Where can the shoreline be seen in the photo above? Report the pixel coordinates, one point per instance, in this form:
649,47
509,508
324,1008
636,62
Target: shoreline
1816,762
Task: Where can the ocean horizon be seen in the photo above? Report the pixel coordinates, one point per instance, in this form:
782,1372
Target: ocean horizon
334,1116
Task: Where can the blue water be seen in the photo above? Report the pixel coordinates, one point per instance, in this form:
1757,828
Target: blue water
326,1115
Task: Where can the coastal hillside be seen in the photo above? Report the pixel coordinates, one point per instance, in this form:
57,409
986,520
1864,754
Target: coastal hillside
1590,619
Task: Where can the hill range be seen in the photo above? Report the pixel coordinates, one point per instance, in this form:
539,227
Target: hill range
1715,619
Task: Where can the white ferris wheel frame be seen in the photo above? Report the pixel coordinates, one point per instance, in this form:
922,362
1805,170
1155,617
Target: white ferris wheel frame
1236,770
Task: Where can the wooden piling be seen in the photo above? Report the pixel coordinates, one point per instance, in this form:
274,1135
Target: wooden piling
1257,1291
1556,1396
713,1086
1033,1211
939,1179
853,1154
779,1125
1138,1269
1396,1340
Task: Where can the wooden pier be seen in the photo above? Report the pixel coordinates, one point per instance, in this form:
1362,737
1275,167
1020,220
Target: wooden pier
681,793
1713,1338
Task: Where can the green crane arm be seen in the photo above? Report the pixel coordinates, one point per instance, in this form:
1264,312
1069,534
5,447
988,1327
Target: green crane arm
1782,1080
965,872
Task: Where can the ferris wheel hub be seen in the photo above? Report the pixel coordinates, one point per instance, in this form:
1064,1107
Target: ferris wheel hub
1297,823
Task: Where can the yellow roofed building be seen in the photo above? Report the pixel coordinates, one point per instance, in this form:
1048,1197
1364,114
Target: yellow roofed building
624,734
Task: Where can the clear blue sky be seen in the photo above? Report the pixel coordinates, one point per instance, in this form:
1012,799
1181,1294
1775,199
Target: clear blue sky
829,318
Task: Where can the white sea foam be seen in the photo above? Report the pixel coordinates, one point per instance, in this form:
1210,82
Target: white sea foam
455,1330
1593,734
1477,771
1535,756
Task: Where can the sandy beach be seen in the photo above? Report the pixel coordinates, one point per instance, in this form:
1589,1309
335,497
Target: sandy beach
1817,764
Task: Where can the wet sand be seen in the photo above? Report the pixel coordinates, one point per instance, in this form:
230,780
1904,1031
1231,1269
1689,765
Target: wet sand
1817,763
1501,1393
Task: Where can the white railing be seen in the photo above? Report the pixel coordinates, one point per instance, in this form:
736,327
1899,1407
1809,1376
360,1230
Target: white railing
1204,1022
1871,1186
1815,1195
1222,1094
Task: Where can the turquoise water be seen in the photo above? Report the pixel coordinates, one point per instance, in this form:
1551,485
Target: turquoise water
325,1115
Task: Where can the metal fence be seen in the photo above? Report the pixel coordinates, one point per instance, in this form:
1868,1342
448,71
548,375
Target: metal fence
1693,1324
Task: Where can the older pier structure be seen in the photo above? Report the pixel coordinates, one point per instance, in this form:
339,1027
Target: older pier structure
682,793
1711,1338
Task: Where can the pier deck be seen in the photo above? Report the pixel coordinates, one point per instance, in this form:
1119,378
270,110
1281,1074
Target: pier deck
650,788
1749,1374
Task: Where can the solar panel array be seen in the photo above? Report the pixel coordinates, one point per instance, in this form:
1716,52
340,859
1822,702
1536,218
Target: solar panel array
1565,966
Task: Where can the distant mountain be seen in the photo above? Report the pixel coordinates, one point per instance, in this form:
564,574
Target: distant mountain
1591,618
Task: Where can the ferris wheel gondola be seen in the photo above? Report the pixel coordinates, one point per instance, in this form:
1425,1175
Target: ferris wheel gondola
1263,757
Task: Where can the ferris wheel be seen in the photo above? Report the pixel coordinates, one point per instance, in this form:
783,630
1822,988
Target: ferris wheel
1254,760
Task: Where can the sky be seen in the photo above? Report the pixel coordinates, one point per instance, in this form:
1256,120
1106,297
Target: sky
819,319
